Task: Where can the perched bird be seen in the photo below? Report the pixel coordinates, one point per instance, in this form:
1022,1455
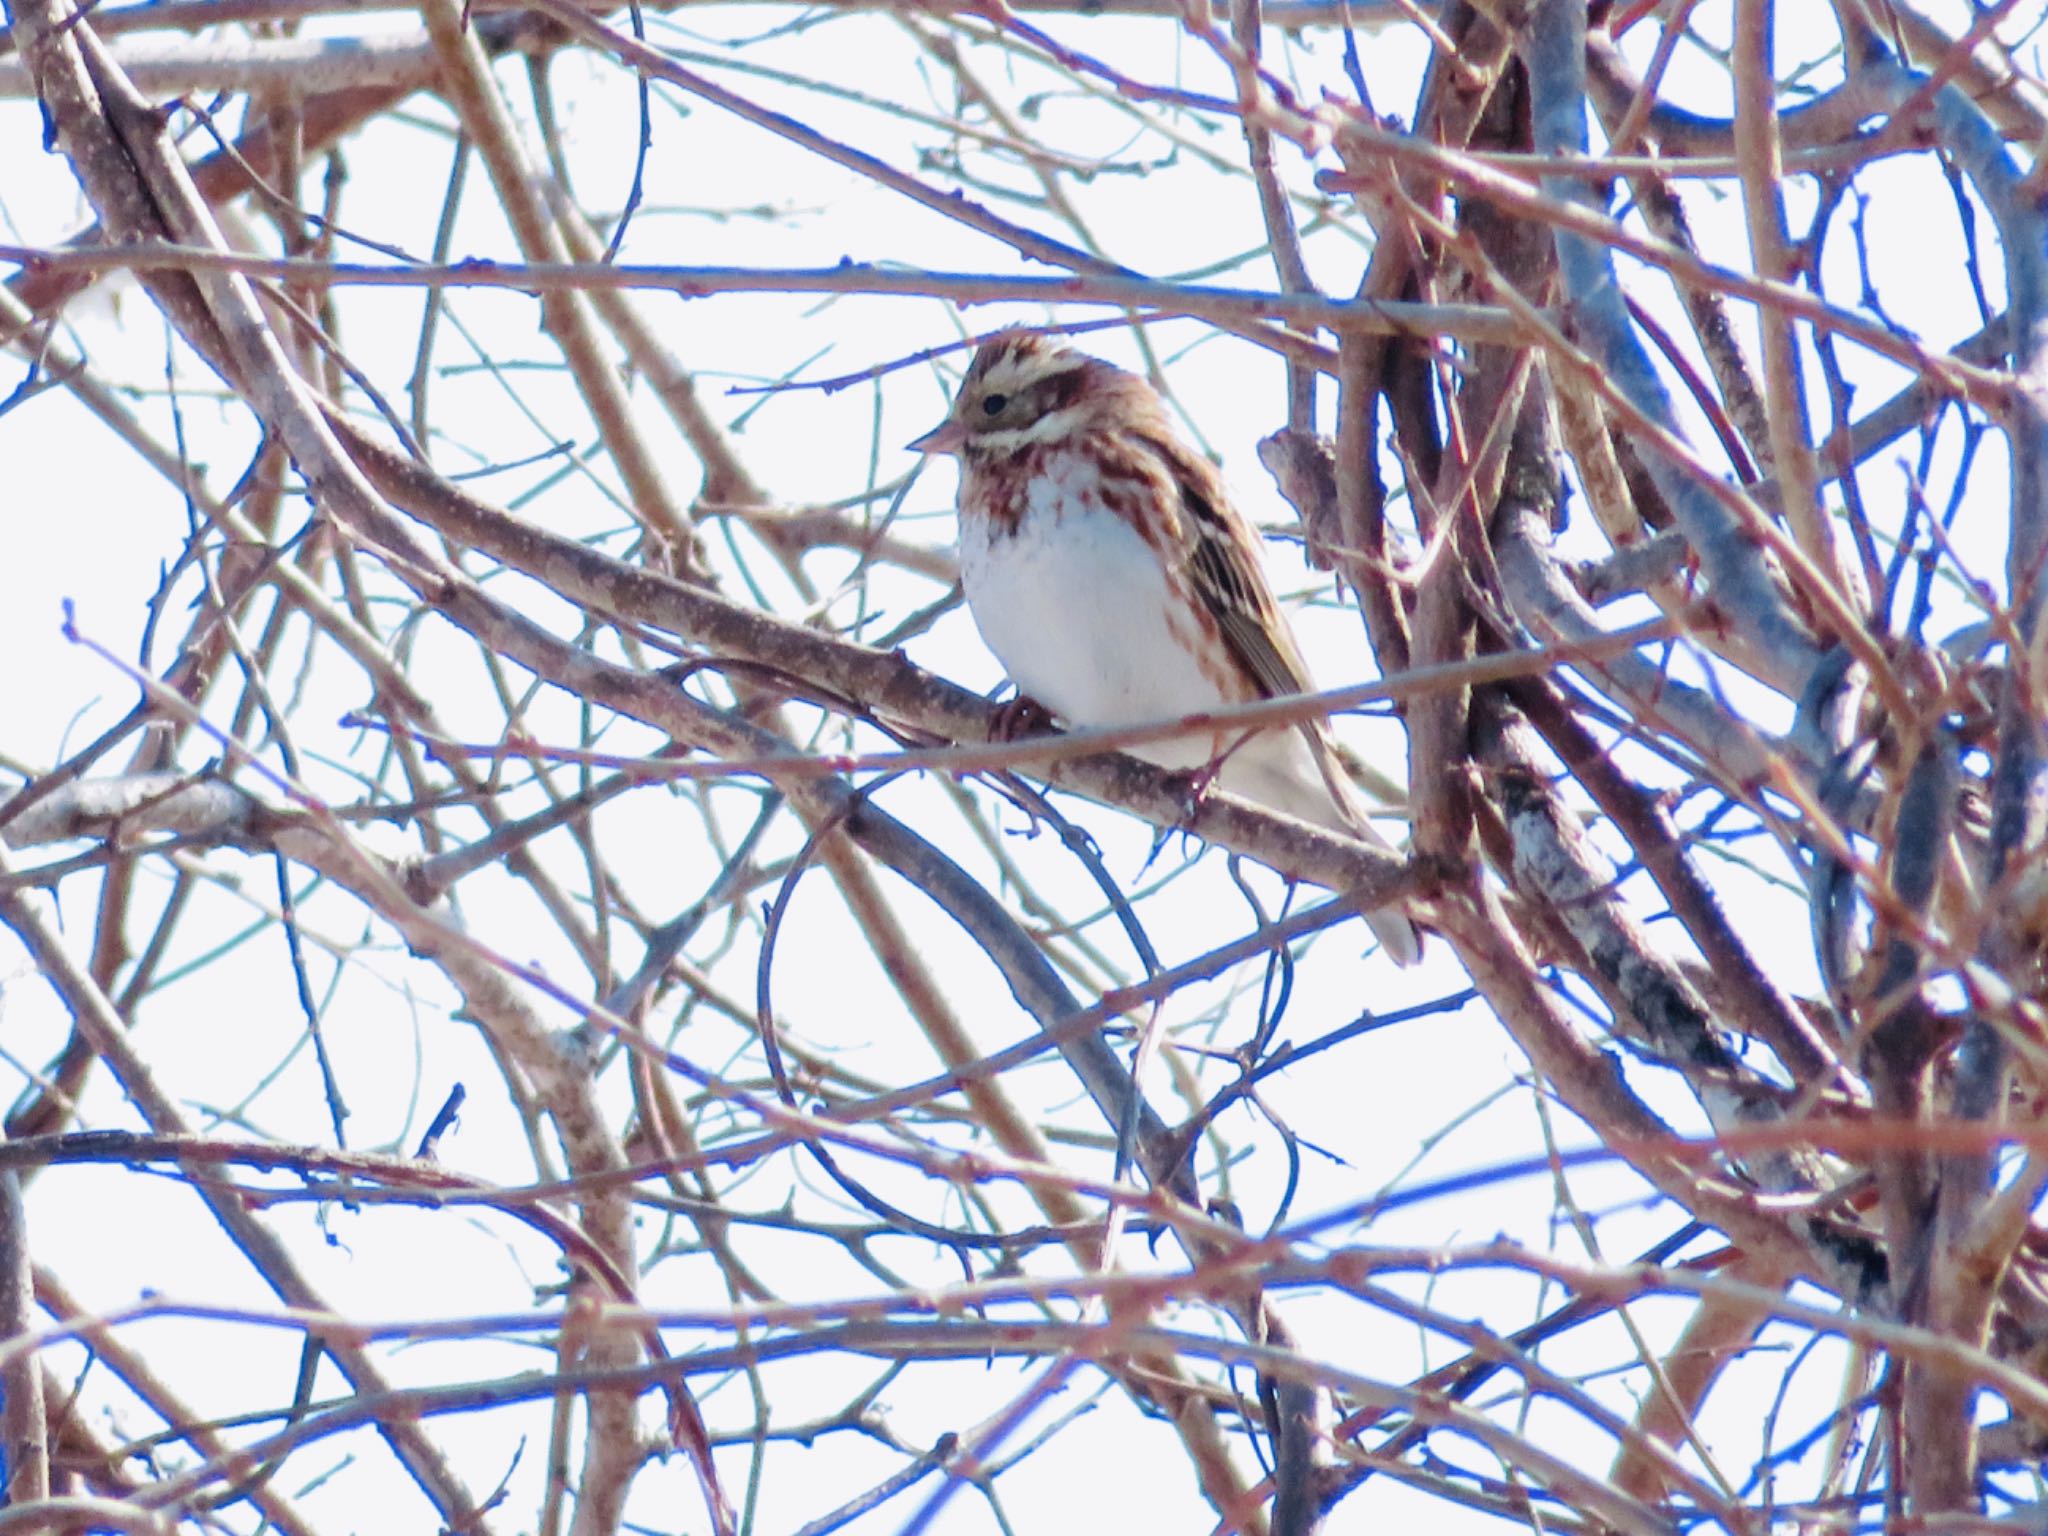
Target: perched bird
1109,573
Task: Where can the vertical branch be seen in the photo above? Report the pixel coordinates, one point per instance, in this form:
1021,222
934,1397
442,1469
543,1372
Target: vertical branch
1664,212
1501,451
24,1447
1761,159
1554,46
467,79
1281,235
1362,550
1959,1303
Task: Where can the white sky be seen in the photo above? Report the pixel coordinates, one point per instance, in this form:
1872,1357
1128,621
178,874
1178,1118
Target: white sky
88,523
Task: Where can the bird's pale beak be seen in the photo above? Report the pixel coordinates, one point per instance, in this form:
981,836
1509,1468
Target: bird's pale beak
947,437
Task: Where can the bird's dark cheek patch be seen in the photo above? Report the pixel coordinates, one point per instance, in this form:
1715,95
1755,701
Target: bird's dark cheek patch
1059,392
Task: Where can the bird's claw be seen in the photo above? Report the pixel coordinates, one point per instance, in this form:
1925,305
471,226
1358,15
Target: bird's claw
1018,718
1194,785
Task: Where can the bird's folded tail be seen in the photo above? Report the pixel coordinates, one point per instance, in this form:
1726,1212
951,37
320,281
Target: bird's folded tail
1398,937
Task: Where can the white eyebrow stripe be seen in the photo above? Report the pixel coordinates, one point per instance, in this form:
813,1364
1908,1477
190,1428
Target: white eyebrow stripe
1011,371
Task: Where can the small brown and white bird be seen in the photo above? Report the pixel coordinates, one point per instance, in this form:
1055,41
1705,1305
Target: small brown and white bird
1108,571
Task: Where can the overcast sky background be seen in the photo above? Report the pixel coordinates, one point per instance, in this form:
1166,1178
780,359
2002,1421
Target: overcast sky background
88,524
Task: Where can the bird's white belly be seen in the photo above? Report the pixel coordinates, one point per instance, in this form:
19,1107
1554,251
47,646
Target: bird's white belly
1076,607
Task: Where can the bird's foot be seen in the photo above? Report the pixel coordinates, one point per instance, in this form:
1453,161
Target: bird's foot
1018,718
1194,785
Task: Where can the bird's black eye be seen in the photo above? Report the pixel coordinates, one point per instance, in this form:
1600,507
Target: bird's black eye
993,405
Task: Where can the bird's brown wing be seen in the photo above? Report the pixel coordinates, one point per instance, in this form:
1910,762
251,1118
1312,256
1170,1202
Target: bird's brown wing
1223,567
